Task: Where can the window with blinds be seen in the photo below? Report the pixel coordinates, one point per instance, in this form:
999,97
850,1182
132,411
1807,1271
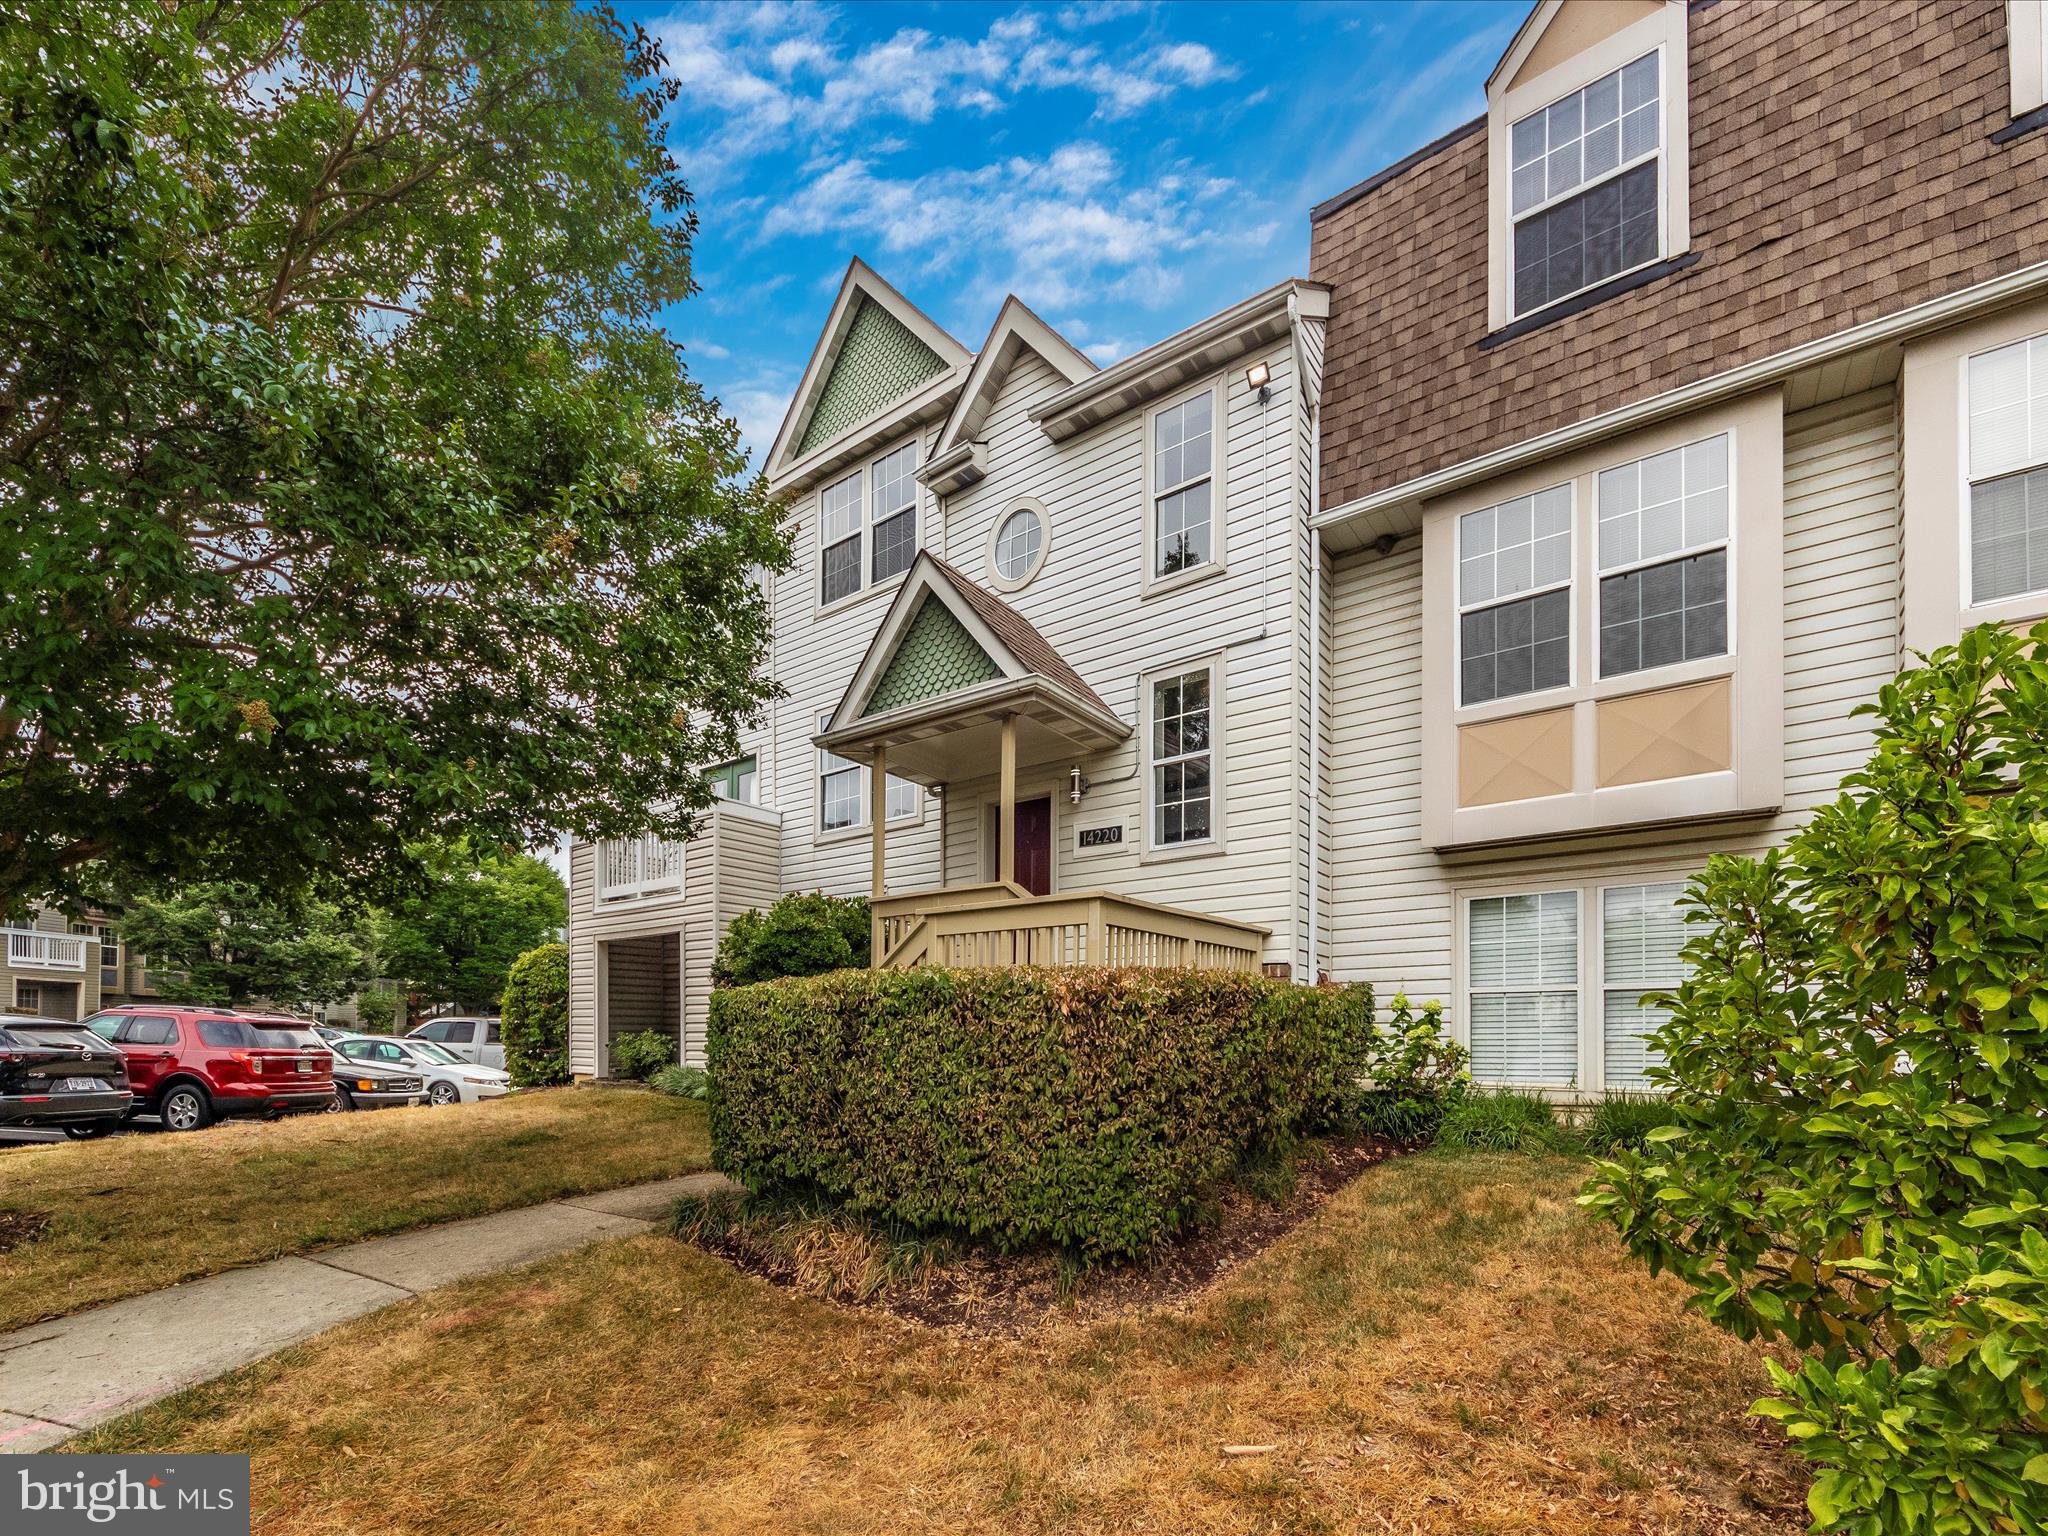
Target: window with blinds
1522,987
2008,471
1642,930
1663,546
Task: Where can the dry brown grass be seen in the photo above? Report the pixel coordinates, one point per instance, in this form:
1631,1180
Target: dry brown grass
139,1212
1449,1347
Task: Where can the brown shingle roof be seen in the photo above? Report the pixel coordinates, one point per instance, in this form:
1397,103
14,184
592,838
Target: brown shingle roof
1020,635
1844,167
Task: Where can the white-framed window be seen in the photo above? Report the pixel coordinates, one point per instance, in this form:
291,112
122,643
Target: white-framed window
892,513
1514,597
1522,987
1018,542
1584,185
843,791
2006,467
839,530
2027,50
1182,748
1663,556
1183,469
1642,931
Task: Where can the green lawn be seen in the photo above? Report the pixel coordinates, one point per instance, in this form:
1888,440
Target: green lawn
1448,1348
135,1213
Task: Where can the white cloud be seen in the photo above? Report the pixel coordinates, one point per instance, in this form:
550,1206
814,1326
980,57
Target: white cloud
1059,232
773,76
710,349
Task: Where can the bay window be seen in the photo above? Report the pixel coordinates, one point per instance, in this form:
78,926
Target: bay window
1521,551
1664,558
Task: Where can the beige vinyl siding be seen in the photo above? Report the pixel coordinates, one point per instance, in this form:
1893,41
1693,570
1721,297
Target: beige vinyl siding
728,867
1392,901
1087,600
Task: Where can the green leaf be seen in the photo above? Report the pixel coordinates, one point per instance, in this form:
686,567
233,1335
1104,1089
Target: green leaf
2036,1470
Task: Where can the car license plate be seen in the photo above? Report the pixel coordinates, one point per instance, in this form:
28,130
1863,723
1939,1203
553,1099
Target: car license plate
81,1085
414,1101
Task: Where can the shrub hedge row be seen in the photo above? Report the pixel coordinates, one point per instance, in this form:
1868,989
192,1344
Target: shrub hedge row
1095,1109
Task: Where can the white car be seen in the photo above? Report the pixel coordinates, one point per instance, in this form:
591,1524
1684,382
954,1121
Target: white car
449,1079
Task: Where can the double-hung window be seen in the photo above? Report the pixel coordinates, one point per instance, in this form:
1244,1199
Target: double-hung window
1583,185
1522,987
893,513
842,791
1183,759
839,532
2008,471
1663,546
1642,931
1514,597
1183,485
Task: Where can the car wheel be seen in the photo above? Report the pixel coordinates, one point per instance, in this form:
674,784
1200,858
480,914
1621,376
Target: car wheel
186,1108
444,1093
92,1131
342,1100
334,1104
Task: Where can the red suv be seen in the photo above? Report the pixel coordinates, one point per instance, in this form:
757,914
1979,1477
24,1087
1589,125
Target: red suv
189,1066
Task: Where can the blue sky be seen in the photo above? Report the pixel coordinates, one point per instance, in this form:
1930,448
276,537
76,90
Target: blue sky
1124,168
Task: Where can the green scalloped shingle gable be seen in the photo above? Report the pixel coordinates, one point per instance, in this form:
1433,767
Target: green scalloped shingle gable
880,362
936,656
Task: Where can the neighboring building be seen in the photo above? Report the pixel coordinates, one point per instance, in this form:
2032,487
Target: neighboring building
1668,407
1110,560
65,968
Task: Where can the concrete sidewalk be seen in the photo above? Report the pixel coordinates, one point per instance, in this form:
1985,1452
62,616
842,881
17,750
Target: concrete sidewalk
60,1377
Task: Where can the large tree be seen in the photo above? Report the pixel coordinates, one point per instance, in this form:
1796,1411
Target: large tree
454,937
350,495
230,942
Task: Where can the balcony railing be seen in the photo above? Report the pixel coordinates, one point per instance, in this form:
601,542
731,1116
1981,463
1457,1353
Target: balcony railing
45,951
632,867
998,925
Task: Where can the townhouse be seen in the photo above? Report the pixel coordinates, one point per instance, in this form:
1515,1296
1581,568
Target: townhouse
1668,407
1430,619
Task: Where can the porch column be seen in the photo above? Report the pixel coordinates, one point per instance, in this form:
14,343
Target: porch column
1006,816
878,816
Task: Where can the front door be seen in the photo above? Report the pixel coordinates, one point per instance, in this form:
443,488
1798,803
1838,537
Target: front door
1034,843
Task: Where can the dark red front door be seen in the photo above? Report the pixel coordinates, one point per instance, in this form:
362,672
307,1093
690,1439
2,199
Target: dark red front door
1034,843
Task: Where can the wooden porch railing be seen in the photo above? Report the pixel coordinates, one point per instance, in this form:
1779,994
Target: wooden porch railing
998,925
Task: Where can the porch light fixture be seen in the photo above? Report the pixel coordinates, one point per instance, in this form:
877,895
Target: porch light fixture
1258,376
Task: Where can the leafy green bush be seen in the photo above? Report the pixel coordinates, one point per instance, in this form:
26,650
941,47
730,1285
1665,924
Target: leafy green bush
1095,1109
1858,1064
682,1082
1623,1122
642,1054
1501,1120
1417,1074
804,934
535,1018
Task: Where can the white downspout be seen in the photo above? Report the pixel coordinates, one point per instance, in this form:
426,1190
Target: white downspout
1315,673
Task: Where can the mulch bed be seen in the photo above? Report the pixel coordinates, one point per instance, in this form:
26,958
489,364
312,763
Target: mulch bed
20,1228
1002,1295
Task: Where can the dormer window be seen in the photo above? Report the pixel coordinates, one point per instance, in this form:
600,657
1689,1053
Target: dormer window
1584,185
1587,161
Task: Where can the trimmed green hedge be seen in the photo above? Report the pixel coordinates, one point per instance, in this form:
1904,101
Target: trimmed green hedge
1095,1109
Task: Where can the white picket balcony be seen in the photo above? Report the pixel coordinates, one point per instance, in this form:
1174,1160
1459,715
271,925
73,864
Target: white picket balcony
629,868
45,951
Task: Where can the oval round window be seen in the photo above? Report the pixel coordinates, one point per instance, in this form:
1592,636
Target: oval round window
1018,543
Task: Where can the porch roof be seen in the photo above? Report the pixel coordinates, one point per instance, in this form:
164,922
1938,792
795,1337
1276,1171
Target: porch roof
936,682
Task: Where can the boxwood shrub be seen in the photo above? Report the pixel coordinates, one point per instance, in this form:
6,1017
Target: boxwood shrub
1093,1109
